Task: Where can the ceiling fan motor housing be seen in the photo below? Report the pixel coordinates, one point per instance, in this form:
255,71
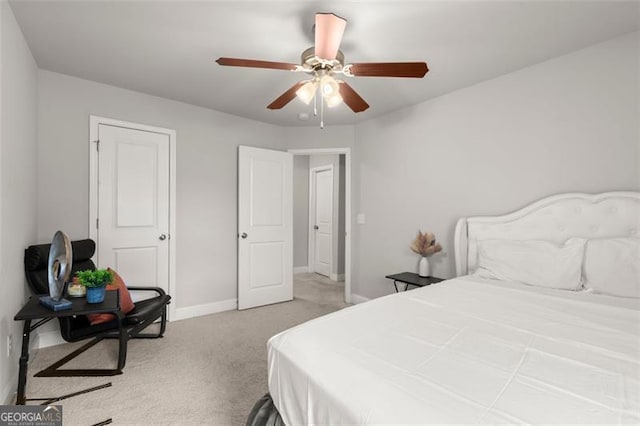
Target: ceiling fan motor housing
311,62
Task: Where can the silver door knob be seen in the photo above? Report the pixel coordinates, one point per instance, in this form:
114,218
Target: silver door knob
244,235
162,237
315,227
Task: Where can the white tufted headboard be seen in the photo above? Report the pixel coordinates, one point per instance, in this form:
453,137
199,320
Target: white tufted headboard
556,219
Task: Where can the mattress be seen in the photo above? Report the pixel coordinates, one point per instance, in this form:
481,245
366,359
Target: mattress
463,351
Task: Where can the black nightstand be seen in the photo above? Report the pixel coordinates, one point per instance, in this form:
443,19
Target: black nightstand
410,278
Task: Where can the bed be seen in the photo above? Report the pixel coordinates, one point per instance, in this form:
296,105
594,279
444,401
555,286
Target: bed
483,348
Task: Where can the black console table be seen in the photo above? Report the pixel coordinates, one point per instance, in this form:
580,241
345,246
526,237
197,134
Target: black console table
33,310
410,278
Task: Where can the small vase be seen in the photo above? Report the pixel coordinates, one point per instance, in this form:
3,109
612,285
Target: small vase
96,294
76,290
423,267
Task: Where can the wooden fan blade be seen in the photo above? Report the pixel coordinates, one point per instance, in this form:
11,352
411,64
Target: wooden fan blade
329,30
389,69
286,97
351,98
251,63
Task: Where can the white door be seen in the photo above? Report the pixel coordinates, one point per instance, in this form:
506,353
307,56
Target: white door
133,205
265,227
322,223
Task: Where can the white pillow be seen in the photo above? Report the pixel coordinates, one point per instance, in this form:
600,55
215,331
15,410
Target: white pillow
533,262
612,266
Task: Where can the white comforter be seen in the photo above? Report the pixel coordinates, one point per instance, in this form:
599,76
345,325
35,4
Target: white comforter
463,351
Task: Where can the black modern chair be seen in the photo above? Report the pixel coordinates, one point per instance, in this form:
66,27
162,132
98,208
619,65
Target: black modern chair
77,328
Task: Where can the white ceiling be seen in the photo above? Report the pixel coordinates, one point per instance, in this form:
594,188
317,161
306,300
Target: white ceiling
168,48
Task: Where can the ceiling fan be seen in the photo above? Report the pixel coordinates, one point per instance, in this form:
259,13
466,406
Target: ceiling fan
324,61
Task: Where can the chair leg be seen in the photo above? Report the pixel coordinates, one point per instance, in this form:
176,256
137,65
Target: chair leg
163,321
122,347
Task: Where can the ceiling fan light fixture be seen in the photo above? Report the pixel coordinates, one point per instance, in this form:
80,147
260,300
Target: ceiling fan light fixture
333,100
328,86
307,91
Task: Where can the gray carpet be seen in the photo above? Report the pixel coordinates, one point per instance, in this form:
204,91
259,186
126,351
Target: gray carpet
207,370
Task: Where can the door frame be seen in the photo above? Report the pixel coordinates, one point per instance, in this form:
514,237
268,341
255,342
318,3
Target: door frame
347,207
312,215
94,122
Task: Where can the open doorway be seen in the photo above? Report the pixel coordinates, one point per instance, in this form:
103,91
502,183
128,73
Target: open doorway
321,234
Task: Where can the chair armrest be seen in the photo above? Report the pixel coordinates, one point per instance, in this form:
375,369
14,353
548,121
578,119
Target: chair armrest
156,289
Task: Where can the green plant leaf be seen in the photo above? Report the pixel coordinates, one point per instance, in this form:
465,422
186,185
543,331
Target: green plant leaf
95,278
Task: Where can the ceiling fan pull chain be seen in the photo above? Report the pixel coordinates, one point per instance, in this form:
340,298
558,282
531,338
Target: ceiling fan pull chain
322,113
315,104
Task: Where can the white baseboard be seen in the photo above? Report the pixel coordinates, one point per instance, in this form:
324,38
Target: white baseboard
205,309
356,299
300,269
337,277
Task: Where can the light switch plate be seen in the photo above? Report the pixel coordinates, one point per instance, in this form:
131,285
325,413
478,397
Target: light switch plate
360,219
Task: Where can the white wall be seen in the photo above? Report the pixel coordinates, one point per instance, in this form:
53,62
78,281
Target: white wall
568,124
17,185
206,176
300,211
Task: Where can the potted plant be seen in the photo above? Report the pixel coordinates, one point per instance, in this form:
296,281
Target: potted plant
96,282
425,245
